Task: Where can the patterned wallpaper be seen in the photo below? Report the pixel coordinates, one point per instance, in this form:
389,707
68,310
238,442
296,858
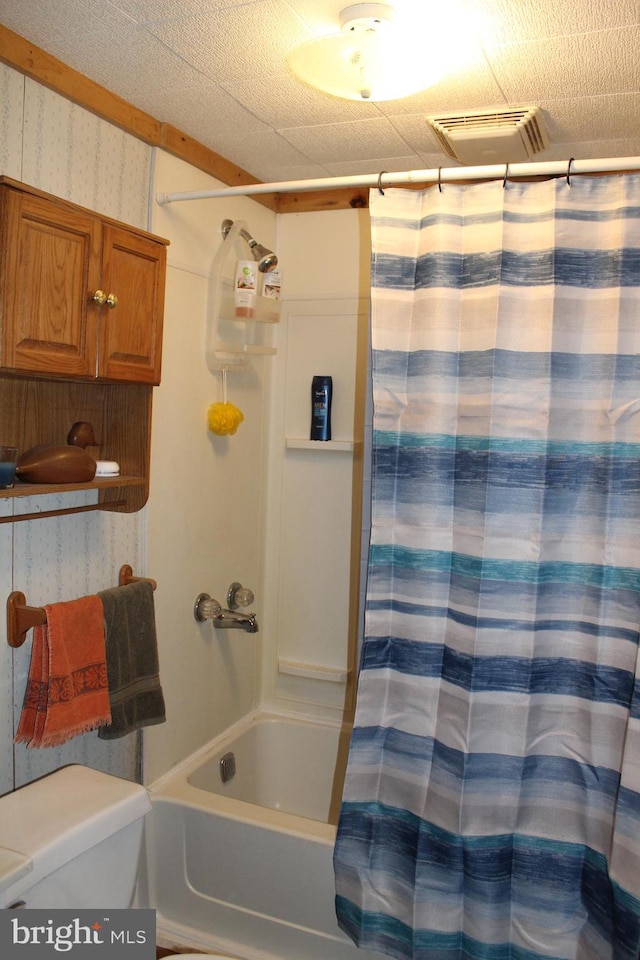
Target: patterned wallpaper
57,146
73,154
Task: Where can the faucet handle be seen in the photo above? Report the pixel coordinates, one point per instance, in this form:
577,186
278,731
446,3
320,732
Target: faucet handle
239,596
205,608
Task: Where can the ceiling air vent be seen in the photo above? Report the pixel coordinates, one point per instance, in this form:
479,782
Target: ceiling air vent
492,136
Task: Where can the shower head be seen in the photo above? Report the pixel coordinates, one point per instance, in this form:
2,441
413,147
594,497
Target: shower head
267,260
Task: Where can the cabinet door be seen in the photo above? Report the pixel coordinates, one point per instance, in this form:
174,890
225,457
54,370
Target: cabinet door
50,273
131,331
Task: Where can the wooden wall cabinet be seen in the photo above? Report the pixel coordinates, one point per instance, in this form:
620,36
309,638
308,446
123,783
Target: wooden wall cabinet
80,295
81,310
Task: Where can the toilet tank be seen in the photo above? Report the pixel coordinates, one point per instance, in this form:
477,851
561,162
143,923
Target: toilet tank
72,839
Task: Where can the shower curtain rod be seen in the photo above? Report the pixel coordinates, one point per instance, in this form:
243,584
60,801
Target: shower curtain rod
498,171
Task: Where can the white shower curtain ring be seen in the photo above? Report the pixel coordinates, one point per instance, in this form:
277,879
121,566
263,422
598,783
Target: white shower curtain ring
506,174
569,171
380,190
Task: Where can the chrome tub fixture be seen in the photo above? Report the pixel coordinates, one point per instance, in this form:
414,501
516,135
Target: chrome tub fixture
267,260
206,608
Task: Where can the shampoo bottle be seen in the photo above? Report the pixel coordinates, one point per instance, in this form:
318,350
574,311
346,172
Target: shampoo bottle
321,393
245,287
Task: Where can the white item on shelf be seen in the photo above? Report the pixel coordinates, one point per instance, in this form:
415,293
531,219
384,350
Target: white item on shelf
107,468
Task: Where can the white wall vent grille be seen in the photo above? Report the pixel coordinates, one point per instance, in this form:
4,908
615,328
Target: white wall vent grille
492,136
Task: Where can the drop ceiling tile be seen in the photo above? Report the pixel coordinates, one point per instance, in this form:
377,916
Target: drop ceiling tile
580,66
433,161
593,149
321,17
274,171
502,21
419,134
234,43
356,140
44,23
382,165
208,111
586,118
154,10
260,145
285,102
471,89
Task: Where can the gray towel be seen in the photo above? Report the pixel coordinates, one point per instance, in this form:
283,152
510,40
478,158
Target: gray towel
135,693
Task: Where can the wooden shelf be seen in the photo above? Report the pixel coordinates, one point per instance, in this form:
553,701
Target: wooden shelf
37,489
39,411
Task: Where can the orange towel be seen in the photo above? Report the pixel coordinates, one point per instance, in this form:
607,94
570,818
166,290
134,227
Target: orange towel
66,690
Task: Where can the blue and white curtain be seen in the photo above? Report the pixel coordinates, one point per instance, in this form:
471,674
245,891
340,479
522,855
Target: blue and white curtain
492,801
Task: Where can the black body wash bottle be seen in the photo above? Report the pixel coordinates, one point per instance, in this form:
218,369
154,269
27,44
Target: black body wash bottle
321,394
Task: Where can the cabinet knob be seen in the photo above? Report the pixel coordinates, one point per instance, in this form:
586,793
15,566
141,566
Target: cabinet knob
105,300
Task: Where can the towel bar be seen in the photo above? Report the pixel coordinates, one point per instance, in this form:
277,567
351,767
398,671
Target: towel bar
20,617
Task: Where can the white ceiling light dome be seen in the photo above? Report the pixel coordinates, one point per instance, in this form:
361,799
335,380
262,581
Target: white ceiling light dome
372,57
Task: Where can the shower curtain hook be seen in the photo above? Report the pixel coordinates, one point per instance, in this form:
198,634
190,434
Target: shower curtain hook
506,174
440,179
380,190
569,171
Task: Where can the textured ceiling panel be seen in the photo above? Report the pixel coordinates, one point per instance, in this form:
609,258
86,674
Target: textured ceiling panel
581,65
574,119
356,140
216,69
503,21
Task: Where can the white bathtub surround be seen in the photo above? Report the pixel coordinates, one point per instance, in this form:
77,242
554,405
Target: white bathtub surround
245,867
206,490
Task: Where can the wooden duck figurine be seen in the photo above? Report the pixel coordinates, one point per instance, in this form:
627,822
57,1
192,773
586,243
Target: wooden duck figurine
68,463
81,435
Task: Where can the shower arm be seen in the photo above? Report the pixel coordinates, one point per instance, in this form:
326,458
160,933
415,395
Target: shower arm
267,260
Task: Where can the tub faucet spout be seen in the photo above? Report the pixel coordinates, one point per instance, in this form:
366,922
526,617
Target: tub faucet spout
231,619
205,608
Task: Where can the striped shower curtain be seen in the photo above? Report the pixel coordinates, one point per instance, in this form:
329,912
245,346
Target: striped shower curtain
492,801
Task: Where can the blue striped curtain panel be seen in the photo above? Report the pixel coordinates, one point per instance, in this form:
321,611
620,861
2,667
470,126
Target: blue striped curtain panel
492,801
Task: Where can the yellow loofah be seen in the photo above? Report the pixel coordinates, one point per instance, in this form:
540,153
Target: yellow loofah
224,418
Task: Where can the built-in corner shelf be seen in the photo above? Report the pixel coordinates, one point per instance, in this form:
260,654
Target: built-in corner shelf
313,671
324,446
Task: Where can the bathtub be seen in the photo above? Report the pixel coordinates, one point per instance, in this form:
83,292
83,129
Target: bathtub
245,866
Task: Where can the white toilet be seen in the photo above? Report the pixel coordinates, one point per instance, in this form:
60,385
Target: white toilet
72,839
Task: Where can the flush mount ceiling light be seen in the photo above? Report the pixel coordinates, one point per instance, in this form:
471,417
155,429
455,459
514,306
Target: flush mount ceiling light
371,58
